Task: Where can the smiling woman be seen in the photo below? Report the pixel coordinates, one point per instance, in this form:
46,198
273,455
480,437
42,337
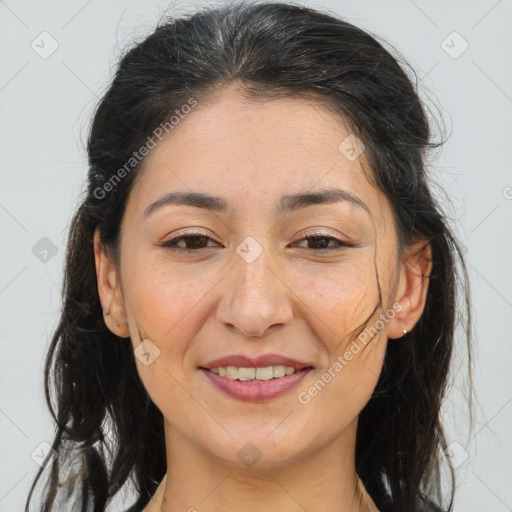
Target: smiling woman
267,301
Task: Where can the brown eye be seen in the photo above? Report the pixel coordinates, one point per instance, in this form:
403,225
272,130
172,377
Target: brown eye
191,242
321,242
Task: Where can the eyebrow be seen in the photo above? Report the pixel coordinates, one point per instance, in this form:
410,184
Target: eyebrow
287,204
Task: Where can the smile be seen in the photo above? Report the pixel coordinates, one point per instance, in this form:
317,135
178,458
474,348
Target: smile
247,374
254,389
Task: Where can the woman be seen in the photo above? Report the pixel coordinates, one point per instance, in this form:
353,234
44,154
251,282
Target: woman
260,291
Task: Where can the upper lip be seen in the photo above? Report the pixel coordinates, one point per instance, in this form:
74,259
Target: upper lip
243,361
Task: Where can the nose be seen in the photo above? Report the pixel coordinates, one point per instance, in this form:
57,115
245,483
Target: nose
256,296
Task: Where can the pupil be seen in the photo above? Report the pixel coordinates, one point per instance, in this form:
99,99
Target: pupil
196,240
322,241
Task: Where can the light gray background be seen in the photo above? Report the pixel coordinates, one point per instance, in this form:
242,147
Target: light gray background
45,106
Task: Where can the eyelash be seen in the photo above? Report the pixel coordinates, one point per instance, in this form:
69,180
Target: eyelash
169,244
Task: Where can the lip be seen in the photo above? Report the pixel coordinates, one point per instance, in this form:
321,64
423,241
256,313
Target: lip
256,391
243,361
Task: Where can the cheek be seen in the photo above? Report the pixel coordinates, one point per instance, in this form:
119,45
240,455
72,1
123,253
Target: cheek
342,296
341,391
346,302
168,306
164,299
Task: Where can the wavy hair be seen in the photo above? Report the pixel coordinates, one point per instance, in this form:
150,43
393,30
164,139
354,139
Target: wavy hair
108,431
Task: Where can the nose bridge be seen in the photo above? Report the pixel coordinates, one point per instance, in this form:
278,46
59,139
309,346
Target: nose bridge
255,272
257,296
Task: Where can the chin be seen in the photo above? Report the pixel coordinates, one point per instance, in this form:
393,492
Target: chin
257,451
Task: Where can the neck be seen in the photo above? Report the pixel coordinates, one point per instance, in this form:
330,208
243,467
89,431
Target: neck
324,480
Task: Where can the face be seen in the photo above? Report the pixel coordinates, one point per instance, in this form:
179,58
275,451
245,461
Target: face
263,274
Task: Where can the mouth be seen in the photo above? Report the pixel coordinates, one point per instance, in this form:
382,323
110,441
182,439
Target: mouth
255,379
261,373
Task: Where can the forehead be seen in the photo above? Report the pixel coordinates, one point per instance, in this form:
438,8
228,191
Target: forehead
254,151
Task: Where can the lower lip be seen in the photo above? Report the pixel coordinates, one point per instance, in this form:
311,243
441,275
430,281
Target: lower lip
256,391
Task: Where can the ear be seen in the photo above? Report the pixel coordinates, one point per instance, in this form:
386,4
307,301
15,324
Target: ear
412,287
109,289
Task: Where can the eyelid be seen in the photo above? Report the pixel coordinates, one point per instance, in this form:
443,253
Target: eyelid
341,243
314,233
184,236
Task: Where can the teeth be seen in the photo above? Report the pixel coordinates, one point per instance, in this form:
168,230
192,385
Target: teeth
232,372
280,370
241,373
265,373
262,373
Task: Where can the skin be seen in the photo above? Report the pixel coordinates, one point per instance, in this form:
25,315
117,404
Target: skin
293,299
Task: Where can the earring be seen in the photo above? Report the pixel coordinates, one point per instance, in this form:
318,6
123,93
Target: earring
107,312
405,332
